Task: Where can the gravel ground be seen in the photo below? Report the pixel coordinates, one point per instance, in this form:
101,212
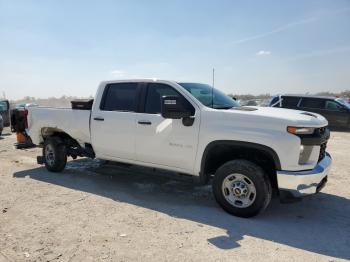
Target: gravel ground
98,212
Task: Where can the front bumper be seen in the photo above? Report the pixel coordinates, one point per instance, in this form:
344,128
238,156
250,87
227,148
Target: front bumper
302,183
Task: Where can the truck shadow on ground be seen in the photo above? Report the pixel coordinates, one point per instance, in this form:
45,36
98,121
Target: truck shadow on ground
319,224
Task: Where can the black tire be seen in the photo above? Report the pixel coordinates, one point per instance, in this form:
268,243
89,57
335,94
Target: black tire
57,160
255,174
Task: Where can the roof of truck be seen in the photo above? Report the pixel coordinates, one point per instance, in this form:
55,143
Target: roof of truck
309,96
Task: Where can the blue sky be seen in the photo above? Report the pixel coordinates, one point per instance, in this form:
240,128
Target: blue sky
55,48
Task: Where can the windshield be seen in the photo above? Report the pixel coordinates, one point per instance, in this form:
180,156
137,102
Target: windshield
210,96
343,102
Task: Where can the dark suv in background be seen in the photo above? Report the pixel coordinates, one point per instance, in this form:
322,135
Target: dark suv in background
335,110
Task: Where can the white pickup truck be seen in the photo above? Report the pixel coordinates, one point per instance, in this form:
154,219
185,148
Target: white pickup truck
194,129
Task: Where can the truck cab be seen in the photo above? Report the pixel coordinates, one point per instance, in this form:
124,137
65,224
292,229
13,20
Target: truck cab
129,115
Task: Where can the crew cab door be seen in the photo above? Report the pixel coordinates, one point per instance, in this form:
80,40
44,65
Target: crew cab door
330,109
165,142
336,114
113,122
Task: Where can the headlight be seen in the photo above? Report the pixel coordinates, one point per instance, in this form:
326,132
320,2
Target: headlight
300,130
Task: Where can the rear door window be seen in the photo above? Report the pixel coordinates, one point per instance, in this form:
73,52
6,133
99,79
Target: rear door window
290,102
333,106
120,97
315,103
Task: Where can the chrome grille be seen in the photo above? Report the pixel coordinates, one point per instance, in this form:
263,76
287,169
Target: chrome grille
322,151
323,131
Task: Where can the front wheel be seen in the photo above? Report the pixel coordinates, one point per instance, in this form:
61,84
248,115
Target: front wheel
242,188
55,154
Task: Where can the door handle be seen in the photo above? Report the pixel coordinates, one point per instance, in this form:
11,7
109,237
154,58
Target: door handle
141,122
99,119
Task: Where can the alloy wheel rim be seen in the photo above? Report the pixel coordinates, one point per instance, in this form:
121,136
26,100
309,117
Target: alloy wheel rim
49,155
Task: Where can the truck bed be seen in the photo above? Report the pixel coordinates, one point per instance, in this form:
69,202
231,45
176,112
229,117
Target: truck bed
75,123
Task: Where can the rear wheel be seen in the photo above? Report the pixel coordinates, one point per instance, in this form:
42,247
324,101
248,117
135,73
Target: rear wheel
55,154
242,188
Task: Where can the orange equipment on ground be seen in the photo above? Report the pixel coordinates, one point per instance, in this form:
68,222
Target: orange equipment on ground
19,124
21,138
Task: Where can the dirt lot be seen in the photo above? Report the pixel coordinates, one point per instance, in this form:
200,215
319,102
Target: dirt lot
96,212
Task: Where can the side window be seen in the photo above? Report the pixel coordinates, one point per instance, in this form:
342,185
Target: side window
333,106
154,94
312,103
290,102
120,97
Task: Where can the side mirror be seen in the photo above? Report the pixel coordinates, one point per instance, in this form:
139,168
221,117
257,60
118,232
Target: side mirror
173,108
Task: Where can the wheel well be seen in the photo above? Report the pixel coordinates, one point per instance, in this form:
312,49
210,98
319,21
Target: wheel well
50,132
218,153
74,149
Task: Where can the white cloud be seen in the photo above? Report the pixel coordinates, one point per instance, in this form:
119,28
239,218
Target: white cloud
263,53
118,73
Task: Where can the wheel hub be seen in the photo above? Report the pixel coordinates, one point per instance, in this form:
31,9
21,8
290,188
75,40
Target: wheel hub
239,190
